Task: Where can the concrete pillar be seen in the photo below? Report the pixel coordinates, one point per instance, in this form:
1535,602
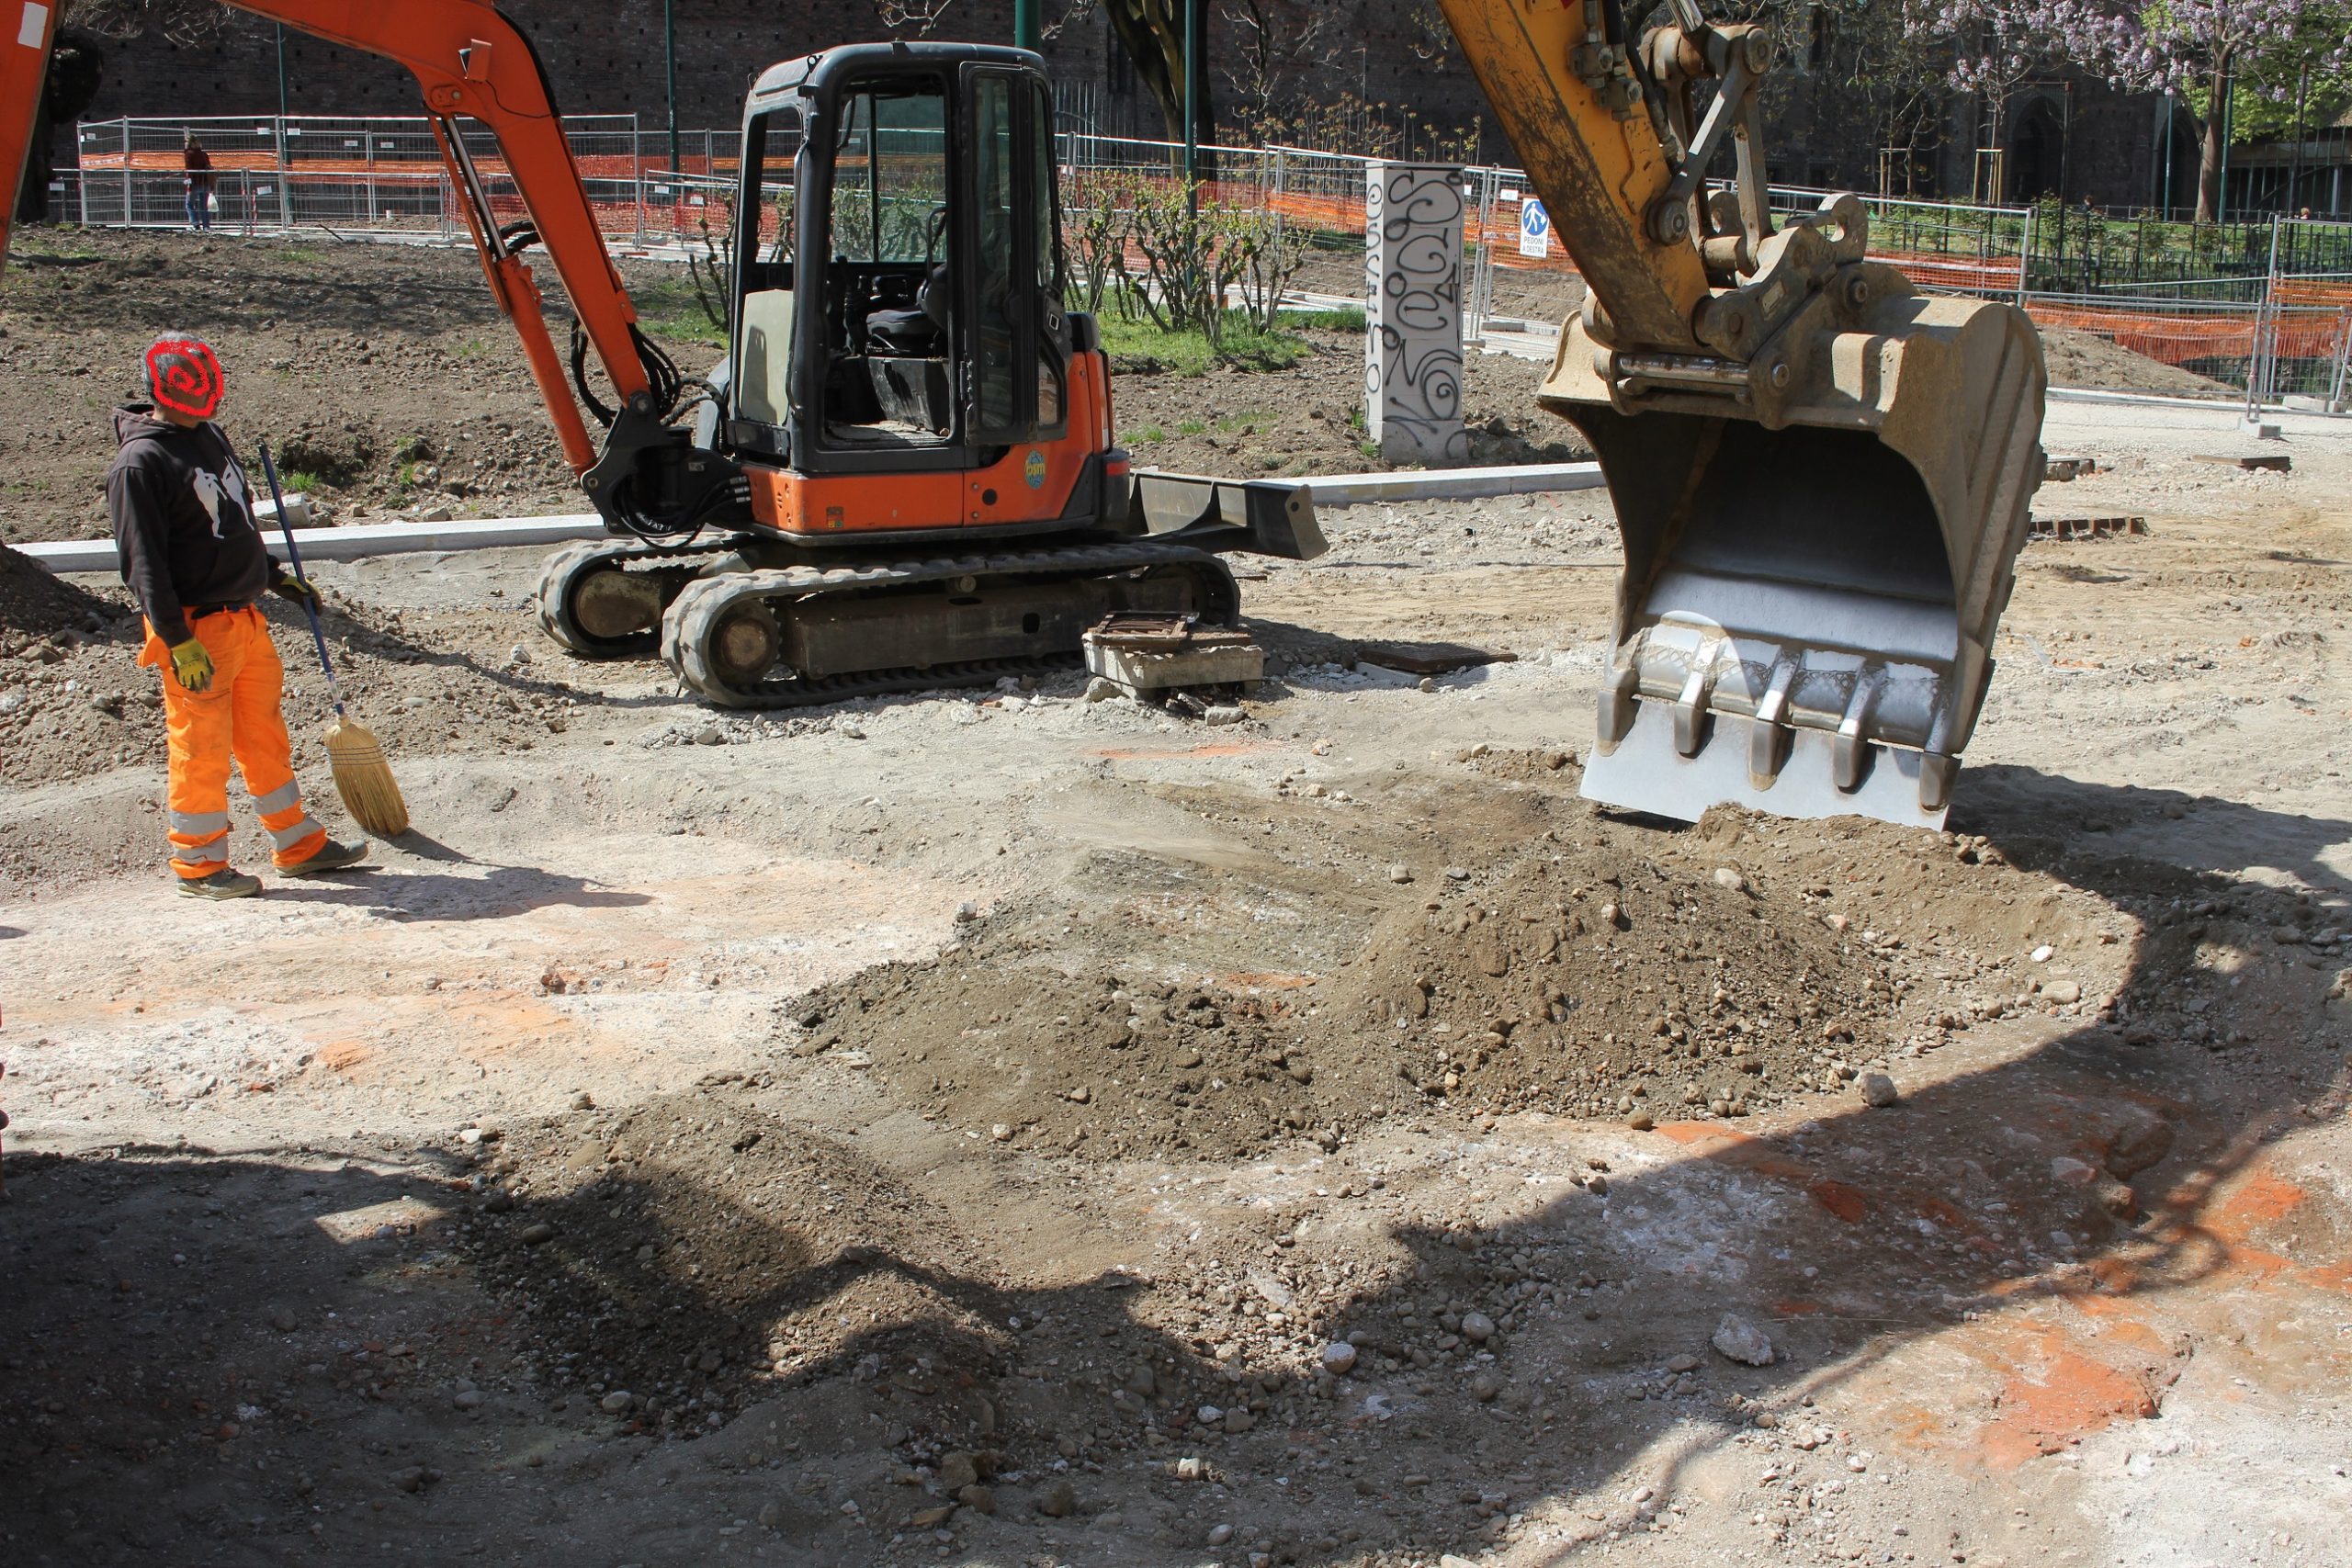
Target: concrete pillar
1412,316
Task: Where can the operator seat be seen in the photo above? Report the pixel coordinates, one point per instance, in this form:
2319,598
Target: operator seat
920,332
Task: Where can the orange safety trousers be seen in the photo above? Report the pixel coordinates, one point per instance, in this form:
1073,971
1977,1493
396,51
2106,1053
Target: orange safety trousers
236,718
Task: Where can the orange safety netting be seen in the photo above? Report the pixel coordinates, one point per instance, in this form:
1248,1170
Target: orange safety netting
2330,292
2182,338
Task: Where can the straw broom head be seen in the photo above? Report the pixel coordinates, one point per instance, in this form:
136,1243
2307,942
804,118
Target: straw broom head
365,780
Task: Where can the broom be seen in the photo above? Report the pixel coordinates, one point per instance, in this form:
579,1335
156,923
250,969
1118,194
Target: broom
361,775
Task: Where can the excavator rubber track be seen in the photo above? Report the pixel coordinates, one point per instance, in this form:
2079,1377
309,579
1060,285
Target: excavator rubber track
776,638
604,599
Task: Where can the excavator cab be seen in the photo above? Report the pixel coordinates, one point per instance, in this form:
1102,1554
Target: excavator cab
899,299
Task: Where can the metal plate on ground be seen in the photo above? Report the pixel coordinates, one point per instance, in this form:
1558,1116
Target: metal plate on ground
1431,658
2278,462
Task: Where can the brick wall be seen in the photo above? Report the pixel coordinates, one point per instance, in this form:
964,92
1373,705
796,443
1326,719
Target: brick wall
602,58
607,58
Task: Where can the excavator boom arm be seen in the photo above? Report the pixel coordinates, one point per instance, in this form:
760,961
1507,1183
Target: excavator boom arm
470,62
1571,104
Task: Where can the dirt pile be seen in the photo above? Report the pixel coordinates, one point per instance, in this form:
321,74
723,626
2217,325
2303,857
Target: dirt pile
35,605
74,700
691,1249
1576,978
388,383
1309,418
382,375
2086,360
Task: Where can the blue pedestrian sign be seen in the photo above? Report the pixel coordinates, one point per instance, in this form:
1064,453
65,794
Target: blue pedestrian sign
1534,229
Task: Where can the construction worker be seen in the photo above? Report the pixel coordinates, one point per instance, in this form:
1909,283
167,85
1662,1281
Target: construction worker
184,527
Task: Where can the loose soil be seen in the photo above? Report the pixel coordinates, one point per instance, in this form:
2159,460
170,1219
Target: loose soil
1309,419
71,692
385,374
1460,995
384,371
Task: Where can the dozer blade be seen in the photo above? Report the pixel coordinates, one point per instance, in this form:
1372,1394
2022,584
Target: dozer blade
1265,517
1816,562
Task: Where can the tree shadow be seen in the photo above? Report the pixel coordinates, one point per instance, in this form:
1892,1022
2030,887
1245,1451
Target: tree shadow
2065,826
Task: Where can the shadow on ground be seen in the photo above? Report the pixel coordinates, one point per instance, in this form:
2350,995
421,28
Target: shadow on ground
250,1360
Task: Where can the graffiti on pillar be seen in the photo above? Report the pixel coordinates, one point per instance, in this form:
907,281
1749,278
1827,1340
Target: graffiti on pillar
1413,311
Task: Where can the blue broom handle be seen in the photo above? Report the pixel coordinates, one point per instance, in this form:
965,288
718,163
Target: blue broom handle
294,554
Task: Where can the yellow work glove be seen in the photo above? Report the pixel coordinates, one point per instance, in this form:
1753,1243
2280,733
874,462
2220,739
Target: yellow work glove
297,589
192,665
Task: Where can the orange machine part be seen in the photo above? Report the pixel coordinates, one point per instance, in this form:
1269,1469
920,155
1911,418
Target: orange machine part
25,29
1030,483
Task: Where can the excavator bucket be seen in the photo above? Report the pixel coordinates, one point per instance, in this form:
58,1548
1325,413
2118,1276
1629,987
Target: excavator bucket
1816,556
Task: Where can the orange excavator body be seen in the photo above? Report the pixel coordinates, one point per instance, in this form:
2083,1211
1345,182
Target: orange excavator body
923,383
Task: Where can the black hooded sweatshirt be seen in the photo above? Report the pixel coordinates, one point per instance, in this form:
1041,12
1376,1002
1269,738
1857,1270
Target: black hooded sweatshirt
183,520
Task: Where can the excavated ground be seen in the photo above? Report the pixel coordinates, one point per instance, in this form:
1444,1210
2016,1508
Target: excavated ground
958,1128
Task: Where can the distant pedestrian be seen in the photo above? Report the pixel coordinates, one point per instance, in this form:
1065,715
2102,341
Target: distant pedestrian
184,527
198,177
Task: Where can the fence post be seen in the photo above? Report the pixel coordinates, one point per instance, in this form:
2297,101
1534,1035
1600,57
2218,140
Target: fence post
368,152
285,183
2344,360
637,175
2025,256
126,170
2260,367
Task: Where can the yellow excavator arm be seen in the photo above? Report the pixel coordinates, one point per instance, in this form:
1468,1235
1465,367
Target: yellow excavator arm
1820,477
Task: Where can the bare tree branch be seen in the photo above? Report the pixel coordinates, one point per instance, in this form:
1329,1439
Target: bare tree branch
184,22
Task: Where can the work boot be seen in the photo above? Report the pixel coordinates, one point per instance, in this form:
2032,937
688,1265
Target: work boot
329,857
222,883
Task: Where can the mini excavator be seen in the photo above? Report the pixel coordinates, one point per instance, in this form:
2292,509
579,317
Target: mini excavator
903,474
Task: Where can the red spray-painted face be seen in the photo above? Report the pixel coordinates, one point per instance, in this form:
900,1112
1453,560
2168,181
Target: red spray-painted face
184,377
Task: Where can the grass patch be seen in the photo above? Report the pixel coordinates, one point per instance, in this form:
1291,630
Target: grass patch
1141,346
1350,320
299,254
1149,434
300,483
1191,427
669,309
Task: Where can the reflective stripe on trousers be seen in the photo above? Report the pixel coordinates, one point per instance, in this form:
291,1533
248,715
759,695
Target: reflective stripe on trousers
237,720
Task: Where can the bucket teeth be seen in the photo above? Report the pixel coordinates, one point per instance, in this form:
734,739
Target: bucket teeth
1768,737
1829,731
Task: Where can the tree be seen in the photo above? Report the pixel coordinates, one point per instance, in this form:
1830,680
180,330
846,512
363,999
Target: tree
1998,45
1273,44
1151,35
2218,51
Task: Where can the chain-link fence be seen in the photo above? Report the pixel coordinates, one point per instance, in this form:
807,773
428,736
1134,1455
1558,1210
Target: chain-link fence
268,174
2270,316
